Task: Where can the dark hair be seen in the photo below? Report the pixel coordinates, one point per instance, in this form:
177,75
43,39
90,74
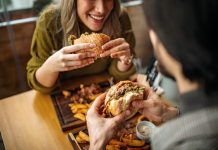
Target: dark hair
189,31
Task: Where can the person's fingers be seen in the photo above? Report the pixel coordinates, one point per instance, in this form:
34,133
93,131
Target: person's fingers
99,100
74,67
77,47
93,110
117,120
152,117
120,47
78,56
121,117
134,77
78,63
124,53
142,104
113,43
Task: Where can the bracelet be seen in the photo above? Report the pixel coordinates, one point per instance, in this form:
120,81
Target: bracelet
128,61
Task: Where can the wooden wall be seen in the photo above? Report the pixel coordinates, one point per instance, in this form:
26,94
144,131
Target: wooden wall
10,83
143,47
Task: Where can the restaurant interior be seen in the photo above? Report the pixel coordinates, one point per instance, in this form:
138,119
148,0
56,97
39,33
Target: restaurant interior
17,23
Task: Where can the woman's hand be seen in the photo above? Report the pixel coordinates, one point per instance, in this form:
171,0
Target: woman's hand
100,129
64,60
120,49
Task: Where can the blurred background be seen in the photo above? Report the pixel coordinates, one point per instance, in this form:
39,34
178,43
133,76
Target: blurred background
17,22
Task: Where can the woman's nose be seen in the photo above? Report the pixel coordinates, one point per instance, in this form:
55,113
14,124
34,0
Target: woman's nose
99,6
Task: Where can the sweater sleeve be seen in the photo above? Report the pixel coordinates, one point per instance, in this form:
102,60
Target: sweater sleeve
127,33
41,48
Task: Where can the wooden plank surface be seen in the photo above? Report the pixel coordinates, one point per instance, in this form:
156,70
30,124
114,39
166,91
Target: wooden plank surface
28,122
61,103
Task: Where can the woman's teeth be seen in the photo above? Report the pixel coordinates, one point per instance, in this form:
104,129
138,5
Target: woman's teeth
96,17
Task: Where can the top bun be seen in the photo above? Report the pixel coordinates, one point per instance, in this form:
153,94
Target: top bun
98,39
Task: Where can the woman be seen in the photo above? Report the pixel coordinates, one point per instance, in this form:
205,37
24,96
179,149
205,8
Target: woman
53,59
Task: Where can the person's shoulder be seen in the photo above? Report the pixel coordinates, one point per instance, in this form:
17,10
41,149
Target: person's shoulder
190,128
49,15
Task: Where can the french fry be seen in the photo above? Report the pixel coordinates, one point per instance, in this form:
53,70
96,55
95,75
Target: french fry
146,147
136,143
83,136
80,116
83,111
74,110
93,97
88,105
73,105
66,93
80,140
116,142
140,118
112,147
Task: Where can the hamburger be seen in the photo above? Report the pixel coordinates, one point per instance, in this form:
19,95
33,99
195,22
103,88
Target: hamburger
120,96
98,39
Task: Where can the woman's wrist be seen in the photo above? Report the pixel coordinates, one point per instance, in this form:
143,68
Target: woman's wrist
123,66
42,75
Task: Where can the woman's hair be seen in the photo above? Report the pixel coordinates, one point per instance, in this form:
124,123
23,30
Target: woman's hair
188,30
70,20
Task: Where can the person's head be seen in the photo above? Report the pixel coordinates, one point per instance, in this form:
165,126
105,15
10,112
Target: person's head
187,30
97,15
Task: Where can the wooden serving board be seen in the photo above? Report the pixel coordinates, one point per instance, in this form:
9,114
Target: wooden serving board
61,103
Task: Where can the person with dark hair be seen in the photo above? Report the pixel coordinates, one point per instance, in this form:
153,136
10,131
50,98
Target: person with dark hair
181,32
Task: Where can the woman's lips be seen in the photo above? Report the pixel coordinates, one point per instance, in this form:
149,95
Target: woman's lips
96,18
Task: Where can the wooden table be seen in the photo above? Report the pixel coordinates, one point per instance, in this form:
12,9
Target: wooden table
28,122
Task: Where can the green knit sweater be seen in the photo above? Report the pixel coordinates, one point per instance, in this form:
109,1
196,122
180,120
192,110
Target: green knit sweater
48,37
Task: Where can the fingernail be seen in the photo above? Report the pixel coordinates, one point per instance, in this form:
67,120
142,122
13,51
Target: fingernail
93,55
101,55
92,45
102,47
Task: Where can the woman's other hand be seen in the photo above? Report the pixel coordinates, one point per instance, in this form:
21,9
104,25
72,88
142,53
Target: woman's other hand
120,49
100,129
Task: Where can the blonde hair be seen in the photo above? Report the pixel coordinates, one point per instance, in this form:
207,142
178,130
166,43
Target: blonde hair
70,25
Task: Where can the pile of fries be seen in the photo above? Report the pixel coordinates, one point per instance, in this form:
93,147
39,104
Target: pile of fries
80,110
82,99
122,141
128,142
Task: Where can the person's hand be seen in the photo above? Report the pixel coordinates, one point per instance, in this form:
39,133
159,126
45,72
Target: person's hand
140,79
155,109
66,60
100,129
118,48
